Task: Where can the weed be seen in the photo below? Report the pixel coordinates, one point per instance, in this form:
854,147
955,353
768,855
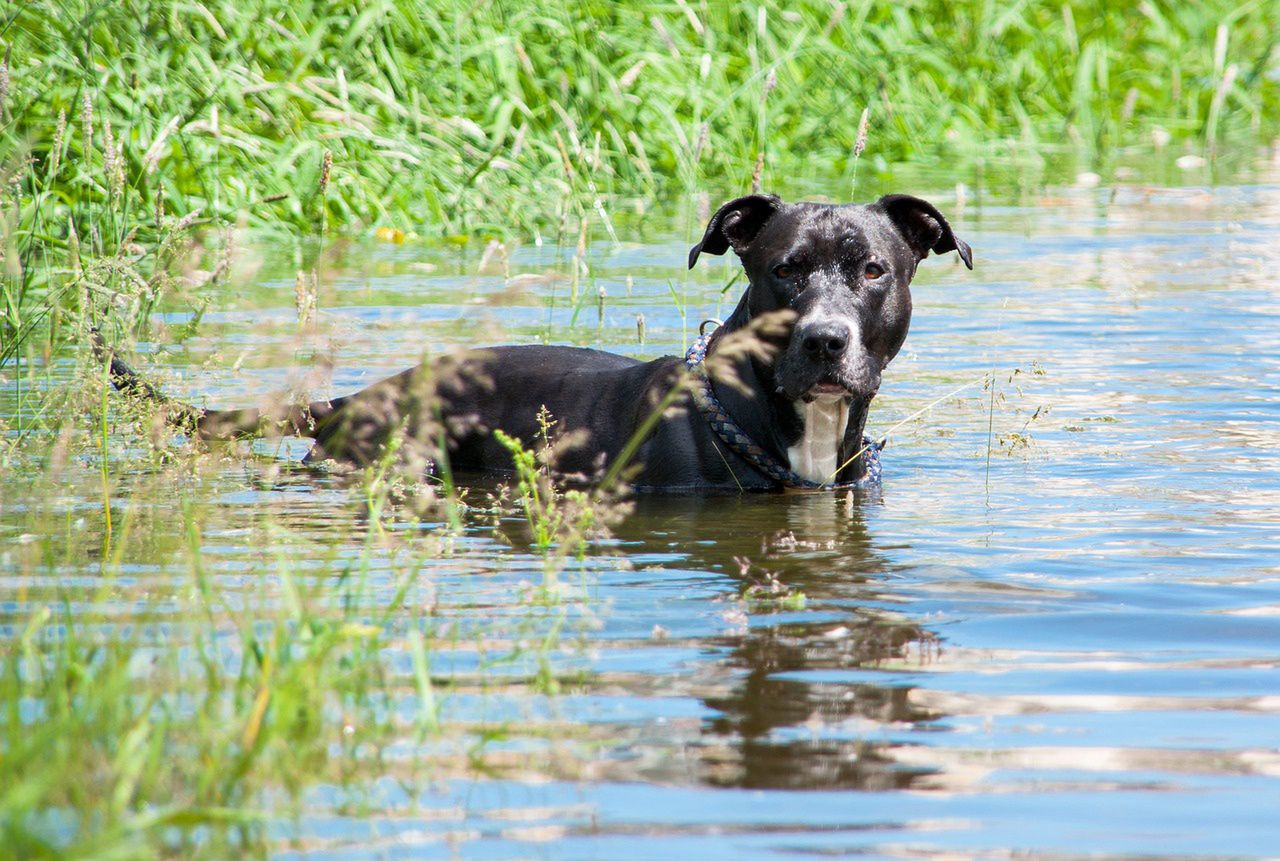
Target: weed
763,591
557,519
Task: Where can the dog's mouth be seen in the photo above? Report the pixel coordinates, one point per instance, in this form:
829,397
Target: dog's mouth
828,388
800,379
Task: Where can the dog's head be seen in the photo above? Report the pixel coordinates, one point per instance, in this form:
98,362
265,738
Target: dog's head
844,270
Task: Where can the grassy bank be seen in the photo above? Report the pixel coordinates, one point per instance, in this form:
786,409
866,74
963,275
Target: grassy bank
450,118
126,124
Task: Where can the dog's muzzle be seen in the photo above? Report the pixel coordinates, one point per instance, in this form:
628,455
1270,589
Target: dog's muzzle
826,360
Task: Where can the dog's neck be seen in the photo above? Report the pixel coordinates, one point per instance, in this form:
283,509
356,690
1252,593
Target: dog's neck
816,455
749,395
816,438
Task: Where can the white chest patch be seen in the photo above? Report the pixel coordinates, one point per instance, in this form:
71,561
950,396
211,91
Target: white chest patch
817,455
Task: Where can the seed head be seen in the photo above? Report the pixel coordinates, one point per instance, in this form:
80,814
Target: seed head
770,83
86,124
703,134
861,142
4,81
113,161
326,165
304,297
109,151
300,294
59,135
152,158
629,76
73,248
185,221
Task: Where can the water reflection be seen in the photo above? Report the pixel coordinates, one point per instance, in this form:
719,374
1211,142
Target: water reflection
1071,653
772,728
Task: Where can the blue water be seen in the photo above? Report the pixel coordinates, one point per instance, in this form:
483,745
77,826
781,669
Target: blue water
1055,631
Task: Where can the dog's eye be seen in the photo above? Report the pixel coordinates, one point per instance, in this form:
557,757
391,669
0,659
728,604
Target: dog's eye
784,271
873,271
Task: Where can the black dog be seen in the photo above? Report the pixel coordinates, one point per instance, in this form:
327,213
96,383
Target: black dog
827,308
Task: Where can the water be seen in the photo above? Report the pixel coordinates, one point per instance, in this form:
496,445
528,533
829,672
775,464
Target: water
1054,632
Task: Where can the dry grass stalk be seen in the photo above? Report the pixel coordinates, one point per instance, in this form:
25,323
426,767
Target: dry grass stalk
1221,40
304,298
1220,95
186,221
665,35
860,143
86,124
761,340
112,162
703,134
326,168
73,249
109,151
565,161
630,75
55,154
4,83
692,16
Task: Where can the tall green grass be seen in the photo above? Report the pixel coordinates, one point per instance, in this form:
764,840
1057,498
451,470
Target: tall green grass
174,684
449,118
126,122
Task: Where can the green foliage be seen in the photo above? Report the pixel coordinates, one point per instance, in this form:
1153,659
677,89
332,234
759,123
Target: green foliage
124,125
556,519
455,118
115,743
165,704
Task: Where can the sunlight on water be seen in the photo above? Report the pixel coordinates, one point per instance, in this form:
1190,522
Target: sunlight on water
1055,630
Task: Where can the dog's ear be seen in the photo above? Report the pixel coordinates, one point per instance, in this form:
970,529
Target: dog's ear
735,224
923,227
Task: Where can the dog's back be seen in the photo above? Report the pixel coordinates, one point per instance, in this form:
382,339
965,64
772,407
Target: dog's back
579,405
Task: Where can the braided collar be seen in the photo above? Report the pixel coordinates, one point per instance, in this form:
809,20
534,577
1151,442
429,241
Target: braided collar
748,449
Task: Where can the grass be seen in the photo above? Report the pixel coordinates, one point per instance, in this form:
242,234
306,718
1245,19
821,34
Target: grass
161,698
154,708
438,117
123,120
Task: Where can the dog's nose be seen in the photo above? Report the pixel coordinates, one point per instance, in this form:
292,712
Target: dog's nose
827,340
